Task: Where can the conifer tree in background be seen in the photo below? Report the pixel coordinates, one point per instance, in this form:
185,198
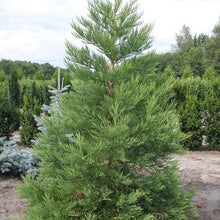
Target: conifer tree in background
209,73
14,100
46,95
6,118
211,106
2,76
191,122
116,163
168,72
30,108
39,75
14,91
19,72
187,73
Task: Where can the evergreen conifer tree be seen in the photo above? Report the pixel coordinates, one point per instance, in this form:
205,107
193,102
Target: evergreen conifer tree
30,107
191,122
211,106
14,99
209,73
46,95
168,73
39,75
105,151
2,76
6,118
14,90
187,73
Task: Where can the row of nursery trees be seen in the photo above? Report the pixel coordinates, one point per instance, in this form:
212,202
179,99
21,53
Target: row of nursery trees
105,146
198,107
22,96
192,66
194,62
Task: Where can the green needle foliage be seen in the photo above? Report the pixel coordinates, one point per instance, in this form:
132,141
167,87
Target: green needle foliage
191,122
116,165
7,114
211,107
14,91
187,73
30,108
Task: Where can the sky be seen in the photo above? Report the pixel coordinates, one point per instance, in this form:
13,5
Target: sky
36,30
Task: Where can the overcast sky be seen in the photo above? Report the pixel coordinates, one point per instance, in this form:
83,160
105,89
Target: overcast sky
36,30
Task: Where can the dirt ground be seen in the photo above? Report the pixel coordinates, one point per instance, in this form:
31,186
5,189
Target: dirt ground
200,169
10,205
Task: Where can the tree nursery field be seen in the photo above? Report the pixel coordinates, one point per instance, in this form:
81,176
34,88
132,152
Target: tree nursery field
102,144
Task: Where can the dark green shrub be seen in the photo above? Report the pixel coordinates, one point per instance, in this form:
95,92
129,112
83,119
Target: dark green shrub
187,73
31,107
9,118
14,90
209,74
40,89
6,119
211,107
2,76
191,122
168,73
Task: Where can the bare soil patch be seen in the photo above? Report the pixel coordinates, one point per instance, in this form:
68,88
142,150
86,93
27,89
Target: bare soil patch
10,205
199,169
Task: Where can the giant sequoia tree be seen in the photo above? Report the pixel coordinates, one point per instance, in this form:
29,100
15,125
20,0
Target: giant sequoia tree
104,153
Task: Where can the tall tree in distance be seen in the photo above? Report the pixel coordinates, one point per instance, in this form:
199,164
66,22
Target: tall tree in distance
189,50
213,49
184,40
105,153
